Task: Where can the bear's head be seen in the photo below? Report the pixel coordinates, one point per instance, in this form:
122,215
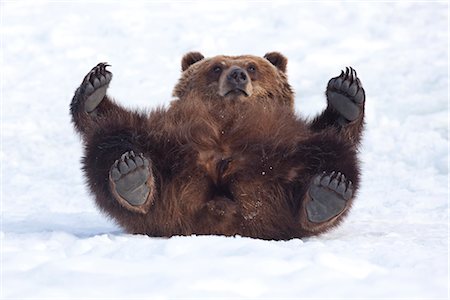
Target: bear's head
227,79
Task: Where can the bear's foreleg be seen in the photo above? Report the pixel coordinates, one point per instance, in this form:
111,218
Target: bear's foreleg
90,101
345,110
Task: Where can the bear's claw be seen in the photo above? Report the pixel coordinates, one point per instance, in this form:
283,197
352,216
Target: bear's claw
346,95
329,194
95,84
129,176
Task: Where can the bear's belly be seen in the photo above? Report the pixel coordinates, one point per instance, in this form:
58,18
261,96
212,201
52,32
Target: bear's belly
218,165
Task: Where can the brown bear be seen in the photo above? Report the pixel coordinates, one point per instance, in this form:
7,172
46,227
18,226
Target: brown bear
228,157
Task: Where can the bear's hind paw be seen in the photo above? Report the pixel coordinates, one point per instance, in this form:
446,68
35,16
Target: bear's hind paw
132,182
329,194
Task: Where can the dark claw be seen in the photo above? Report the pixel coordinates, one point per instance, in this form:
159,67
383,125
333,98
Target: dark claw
352,76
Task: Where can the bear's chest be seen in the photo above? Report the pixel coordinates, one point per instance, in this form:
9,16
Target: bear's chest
220,149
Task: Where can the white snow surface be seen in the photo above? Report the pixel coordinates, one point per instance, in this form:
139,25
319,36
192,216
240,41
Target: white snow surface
57,245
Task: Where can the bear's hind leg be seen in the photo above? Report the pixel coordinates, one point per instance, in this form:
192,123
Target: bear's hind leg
132,182
120,171
325,176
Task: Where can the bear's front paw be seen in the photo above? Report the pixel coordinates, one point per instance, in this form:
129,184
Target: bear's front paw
346,95
329,195
94,85
132,182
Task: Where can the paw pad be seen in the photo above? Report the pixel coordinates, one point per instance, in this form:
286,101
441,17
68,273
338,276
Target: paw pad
346,94
95,84
129,176
329,194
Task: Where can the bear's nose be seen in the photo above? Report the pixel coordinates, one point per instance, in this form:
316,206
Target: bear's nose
237,76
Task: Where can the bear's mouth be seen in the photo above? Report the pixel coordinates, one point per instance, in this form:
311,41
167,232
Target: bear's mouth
236,92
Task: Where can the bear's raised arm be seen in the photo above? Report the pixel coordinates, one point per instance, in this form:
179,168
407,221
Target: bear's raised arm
90,100
345,111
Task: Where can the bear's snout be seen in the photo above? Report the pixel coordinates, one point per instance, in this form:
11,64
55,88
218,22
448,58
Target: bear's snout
235,81
237,76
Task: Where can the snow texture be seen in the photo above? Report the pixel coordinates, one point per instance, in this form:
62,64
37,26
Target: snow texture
57,245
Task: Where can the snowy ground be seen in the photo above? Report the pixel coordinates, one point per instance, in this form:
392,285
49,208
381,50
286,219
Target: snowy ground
56,245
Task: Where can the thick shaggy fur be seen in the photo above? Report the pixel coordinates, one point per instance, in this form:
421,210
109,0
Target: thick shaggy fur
238,166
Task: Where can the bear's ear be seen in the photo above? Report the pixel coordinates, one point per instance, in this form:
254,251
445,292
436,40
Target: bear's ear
190,58
277,59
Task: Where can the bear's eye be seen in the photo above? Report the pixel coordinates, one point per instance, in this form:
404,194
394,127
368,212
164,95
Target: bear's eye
217,69
251,69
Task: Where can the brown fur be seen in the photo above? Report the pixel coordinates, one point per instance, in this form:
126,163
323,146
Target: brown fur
229,166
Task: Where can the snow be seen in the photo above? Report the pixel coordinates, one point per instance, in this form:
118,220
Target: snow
56,244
